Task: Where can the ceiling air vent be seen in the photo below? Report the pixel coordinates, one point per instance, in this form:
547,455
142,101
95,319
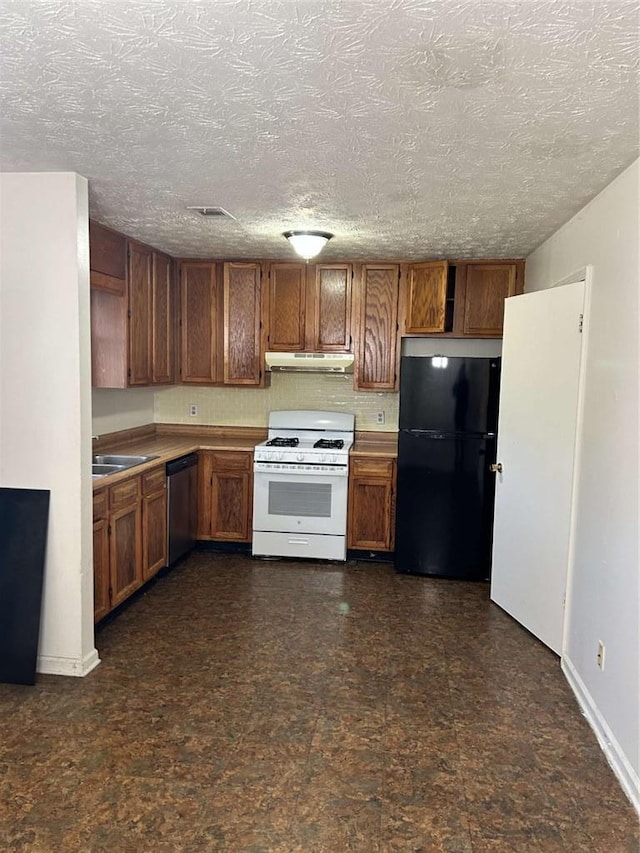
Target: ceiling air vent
215,212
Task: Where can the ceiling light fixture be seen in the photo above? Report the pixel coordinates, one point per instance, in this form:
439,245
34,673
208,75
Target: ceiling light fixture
308,243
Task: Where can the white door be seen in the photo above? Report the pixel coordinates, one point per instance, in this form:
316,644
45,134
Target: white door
536,445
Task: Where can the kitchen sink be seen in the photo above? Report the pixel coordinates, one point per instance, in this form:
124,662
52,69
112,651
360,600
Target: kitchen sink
120,460
103,464
101,470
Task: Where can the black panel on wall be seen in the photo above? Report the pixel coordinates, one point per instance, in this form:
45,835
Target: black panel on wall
24,516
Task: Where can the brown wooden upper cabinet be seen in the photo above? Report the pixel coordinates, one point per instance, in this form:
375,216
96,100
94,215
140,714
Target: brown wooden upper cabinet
162,319
132,317
287,304
376,310
332,308
107,259
309,307
426,298
458,298
199,320
241,298
487,285
140,289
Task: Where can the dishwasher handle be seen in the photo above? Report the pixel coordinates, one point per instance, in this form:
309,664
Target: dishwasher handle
180,464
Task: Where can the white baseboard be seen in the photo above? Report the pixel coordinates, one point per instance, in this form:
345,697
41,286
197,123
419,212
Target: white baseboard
626,775
53,665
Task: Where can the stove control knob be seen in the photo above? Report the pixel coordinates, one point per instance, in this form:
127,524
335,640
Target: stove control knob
300,457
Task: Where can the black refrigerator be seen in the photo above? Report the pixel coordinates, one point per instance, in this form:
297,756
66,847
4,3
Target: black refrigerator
447,441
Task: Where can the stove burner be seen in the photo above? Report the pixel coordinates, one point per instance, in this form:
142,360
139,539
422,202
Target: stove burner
330,443
283,442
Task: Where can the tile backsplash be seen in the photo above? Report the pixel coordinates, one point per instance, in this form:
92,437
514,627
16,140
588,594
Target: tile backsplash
251,406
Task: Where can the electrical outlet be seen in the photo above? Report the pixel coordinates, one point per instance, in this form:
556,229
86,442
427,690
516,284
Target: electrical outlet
193,410
380,418
600,655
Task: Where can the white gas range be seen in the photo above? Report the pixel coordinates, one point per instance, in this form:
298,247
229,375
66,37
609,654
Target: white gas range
300,485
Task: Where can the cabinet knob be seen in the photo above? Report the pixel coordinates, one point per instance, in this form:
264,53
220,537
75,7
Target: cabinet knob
497,468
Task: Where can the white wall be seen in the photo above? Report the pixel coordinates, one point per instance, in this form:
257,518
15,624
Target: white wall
115,409
603,598
45,388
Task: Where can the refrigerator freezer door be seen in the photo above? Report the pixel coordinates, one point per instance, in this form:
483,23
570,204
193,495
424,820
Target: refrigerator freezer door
445,506
449,394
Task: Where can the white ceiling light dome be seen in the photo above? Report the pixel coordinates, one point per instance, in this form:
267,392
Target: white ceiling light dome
308,243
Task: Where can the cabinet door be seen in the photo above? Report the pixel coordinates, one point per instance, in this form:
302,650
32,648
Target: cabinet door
125,552
205,486
107,259
426,298
101,584
161,320
487,286
109,326
332,308
286,307
242,358
154,533
377,308
371,511
225,492
140,263
230,506
198,298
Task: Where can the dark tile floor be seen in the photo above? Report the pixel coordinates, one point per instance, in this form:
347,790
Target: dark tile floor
279,706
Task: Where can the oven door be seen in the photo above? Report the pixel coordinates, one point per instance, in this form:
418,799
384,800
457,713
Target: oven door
300,502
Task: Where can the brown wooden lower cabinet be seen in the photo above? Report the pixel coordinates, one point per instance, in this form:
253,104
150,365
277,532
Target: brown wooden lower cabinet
101,582
125,552
371,508
154,522
225,495
129,537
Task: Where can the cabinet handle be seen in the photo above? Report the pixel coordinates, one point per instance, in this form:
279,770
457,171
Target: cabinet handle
497,468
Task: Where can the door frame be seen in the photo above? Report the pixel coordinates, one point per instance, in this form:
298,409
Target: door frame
584,274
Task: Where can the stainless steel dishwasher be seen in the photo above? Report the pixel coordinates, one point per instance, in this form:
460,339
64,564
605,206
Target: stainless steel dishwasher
181,506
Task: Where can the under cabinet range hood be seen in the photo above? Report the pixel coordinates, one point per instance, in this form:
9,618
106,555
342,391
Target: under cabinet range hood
309,362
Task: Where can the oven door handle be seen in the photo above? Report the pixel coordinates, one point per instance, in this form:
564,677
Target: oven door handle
336,472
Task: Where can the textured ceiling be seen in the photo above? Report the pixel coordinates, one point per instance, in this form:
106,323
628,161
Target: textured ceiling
408,128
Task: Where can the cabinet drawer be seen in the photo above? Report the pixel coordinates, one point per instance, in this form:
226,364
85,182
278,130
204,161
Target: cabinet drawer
367,466
124,493
231,460
154,481
99,505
